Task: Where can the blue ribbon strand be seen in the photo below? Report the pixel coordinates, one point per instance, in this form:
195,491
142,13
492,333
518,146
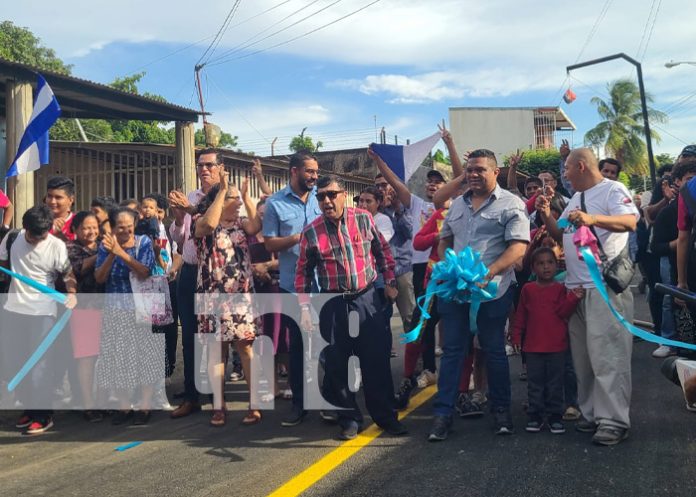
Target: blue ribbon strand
596,276
456,279
52,334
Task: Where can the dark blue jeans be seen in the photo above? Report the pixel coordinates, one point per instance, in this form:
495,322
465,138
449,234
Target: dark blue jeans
457,339
186,290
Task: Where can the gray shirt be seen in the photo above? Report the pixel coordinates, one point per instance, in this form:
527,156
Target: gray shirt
502,218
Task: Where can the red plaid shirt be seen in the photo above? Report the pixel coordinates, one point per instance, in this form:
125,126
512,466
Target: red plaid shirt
344,254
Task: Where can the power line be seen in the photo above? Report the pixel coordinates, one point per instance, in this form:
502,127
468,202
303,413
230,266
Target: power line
593,31
304,34
219,34
246,45
645,28
652,27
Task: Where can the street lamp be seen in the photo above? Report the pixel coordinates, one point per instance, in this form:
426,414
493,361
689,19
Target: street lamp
643,103
671,63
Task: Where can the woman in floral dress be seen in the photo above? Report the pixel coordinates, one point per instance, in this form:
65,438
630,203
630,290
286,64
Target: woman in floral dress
224,268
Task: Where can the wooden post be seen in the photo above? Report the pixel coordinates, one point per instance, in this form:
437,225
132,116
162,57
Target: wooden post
18,104
186,156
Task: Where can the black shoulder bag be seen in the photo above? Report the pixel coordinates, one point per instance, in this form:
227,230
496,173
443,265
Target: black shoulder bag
618,272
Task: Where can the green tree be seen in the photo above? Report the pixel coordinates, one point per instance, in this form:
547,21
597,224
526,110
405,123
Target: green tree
537,160
302,142
621,131
226,139
439,156
18,44
664,159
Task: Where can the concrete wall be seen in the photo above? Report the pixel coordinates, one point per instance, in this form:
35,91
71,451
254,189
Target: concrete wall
501,130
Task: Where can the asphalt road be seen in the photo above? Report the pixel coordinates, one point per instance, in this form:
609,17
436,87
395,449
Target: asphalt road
186,457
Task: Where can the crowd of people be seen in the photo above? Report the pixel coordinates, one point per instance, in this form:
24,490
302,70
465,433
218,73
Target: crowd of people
306,239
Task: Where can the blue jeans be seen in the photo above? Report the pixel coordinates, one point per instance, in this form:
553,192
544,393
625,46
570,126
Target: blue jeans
668,329
457,339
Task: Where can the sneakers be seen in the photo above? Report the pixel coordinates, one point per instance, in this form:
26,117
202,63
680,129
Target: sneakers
349,431
572,414
23,421
503,421
39,426
479,397
295,417
534,424
395,428
609,435
585,426
466,407
438,351
441,428
426,378
556,424
404,394
663,351
330,417
237,375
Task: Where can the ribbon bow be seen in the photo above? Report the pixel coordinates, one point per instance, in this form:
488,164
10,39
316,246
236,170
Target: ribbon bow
457,278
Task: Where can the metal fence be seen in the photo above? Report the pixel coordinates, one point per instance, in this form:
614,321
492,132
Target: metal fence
125,171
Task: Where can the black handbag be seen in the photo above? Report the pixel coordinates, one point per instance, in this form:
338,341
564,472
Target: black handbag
618,272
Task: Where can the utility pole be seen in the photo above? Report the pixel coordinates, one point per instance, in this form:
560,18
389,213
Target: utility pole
273,146
644,105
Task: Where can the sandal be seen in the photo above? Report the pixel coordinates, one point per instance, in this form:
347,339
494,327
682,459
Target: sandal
252,418
218,418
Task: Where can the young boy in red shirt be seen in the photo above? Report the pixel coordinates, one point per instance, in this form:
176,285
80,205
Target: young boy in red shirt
541,330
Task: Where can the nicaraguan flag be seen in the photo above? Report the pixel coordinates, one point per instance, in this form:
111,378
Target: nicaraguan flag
405,159
32,152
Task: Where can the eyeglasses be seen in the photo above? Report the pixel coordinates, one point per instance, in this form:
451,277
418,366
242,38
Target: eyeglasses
207,165
331,194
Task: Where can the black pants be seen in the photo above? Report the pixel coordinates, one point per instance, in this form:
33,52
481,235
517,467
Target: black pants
428,338
652,270
171,332
372,346
545,373
186,290
296,352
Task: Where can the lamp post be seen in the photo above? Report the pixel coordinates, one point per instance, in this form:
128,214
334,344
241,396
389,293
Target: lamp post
644,106
671,63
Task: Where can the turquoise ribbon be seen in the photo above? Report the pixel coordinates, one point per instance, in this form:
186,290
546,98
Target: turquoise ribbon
51,292
52,334
40,350
596,276
455,279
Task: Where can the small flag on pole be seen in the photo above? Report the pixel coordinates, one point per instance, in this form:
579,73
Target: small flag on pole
32,152
405,159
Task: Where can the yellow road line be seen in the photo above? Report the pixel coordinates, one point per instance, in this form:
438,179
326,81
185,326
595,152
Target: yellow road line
343,452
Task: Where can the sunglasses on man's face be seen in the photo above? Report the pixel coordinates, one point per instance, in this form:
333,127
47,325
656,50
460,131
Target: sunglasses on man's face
207,165
332,194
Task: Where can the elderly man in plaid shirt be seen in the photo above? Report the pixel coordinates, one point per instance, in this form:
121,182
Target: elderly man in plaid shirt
347,251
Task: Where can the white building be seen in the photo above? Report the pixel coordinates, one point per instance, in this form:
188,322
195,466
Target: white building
506,129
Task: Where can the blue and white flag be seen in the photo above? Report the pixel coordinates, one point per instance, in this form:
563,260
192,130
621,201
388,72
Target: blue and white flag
32,152
405,159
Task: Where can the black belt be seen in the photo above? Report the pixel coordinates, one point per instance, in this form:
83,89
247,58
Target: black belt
357,293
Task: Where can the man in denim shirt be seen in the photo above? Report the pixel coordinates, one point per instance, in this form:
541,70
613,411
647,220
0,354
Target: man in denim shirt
493,222
288,211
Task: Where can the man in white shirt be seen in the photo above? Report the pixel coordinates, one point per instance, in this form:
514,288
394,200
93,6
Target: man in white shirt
29,314
600,346
208,167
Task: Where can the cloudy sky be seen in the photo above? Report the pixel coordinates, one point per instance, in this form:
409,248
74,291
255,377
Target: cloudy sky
400,64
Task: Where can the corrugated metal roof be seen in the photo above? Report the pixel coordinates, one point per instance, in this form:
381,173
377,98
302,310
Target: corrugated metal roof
81,98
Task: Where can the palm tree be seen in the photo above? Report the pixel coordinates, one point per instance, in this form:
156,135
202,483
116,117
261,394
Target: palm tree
621,132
